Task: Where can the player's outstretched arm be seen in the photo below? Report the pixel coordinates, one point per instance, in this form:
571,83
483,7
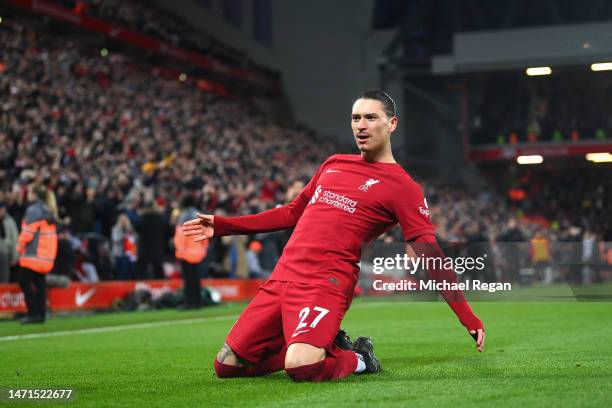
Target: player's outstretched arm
410,208
207,226
428,246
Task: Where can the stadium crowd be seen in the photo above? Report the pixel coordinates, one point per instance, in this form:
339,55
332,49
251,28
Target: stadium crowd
568,106
149,18
530,235
107,137
122,148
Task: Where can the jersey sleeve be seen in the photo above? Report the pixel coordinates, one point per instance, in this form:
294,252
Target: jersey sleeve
427,245
279,218
411,211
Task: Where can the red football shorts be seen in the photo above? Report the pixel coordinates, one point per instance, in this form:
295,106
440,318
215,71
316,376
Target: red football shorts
283,313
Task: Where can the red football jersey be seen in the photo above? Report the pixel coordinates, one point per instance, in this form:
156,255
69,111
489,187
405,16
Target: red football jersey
348,202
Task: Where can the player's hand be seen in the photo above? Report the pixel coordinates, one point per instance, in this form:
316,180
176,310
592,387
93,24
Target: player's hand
201,228
479,337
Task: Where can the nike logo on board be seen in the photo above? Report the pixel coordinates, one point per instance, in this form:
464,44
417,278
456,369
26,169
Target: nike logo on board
81,299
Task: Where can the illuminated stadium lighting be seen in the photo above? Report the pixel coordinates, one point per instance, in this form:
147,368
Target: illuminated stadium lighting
602,66
104,52
599,157
183,77
0,20
535,71
535,159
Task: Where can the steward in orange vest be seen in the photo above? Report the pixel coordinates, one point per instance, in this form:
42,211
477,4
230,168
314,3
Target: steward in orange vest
37,242
185,248
37,248
191,254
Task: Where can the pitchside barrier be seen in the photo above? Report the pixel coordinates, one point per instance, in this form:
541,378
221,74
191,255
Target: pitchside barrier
102,295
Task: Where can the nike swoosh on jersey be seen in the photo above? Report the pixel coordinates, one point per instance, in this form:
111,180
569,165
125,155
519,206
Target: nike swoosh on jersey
300,332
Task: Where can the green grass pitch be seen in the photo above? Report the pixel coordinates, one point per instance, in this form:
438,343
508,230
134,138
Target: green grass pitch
537,354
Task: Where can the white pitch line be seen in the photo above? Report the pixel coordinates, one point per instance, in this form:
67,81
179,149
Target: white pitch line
108,329
149,325
371,304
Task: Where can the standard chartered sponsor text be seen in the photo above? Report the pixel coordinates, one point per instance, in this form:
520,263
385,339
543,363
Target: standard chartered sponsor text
339,201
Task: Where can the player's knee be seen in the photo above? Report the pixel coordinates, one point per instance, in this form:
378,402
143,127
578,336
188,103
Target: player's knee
302,354
227,356
227,364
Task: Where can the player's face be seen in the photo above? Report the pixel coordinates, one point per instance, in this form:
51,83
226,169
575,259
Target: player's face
371,126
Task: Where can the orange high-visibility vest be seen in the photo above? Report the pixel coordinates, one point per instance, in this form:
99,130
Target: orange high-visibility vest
37,242
540,250
185,248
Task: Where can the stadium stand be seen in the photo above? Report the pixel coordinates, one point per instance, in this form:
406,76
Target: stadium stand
148,18
569,106
111,136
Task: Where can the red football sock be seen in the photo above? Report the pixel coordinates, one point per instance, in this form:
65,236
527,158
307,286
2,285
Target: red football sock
270,363
332,368
228,371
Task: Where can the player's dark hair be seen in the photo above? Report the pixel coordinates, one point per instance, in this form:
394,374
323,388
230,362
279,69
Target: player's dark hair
388,103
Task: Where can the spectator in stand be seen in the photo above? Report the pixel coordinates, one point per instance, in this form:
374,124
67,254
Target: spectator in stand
574,254
567,107
513,251
82,209
235,259
478,244
252,259
37,247
590,258
541,257
106,203
151,19
8,243
190,254
124,248
152,229
65,262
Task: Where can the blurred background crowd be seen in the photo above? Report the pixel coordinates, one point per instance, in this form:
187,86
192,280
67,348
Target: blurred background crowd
569,106
122,149
148,18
